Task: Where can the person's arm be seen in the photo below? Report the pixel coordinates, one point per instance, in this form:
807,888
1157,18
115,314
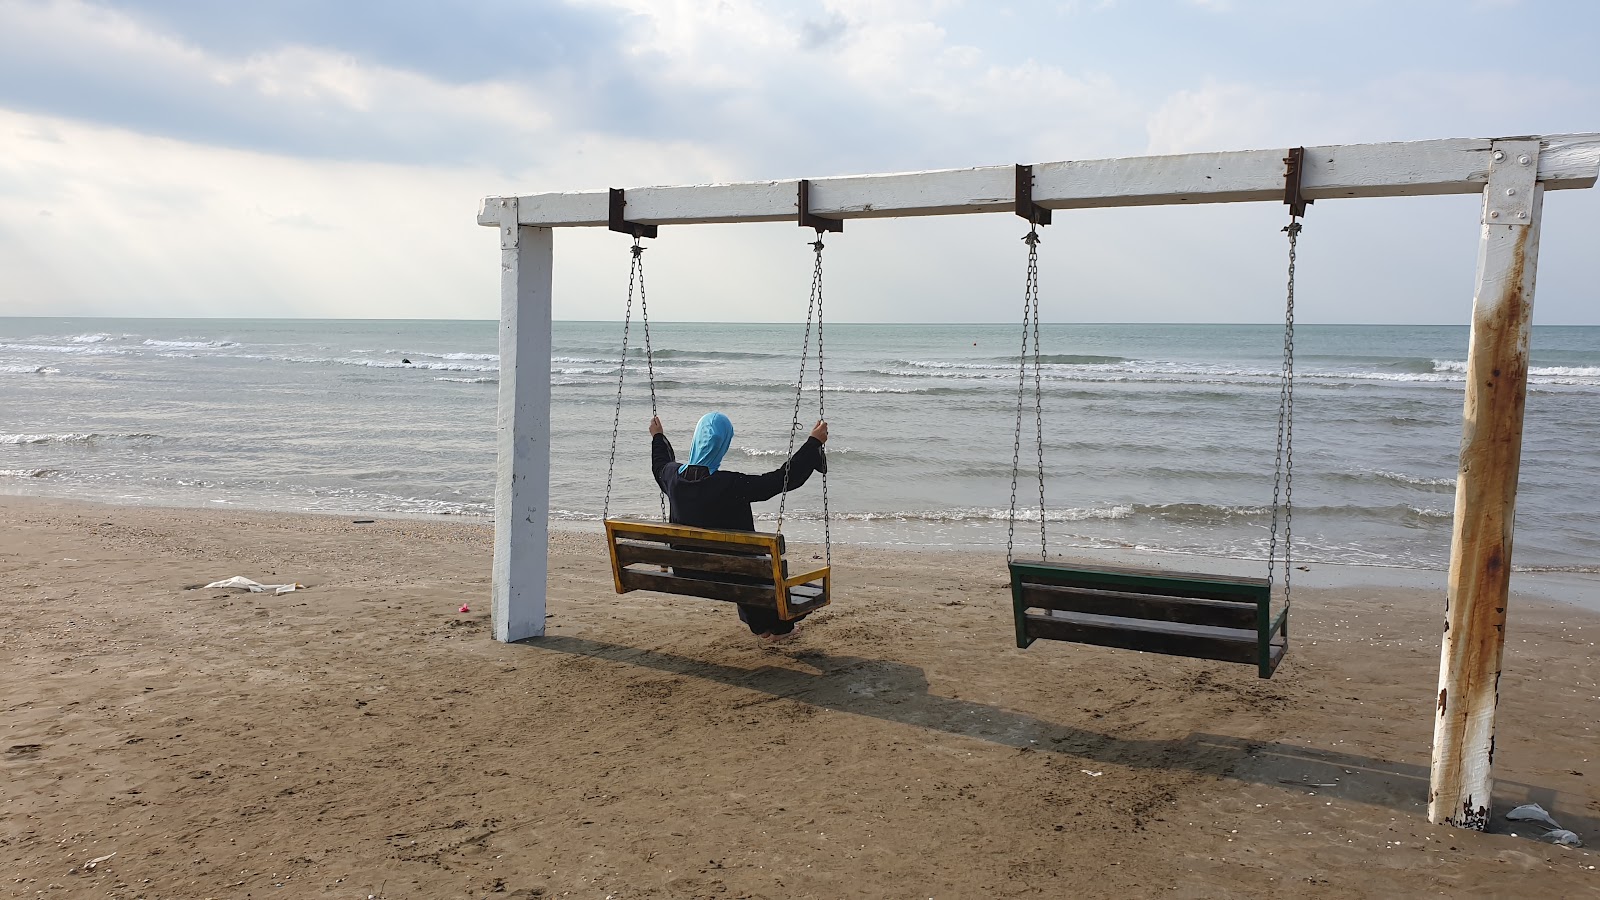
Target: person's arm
660,452
808,459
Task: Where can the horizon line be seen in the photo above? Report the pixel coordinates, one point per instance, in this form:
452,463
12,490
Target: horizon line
1298,324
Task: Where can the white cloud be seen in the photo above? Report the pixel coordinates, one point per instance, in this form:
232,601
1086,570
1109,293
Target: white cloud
145,225
1228,115
160,225
301,94
866,82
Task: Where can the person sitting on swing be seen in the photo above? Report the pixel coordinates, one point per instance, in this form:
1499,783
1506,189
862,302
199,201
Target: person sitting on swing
703,494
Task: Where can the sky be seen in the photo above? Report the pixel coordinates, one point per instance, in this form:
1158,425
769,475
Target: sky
303,158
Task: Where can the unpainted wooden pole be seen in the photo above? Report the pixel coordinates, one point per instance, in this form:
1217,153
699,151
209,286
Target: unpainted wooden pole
1486,491
522,482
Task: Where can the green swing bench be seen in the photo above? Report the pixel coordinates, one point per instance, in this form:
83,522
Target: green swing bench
1203,616
1184,614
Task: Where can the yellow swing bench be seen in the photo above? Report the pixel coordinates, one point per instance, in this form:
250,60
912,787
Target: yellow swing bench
744,567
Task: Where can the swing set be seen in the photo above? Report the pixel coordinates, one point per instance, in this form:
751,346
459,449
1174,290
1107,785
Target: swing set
1188,614
1204,616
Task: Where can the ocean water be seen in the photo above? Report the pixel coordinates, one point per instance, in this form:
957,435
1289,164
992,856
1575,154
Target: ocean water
1158,437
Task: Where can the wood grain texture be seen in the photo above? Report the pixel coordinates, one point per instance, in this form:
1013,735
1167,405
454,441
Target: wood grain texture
1236,645
689,535
722,563
739,566
1134,605
1449,166
747,594
1485,510
522,476
1149,581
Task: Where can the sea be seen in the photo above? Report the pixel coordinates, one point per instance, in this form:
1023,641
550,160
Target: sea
1158,438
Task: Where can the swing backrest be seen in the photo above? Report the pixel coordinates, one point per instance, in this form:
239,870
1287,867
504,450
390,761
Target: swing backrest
744,567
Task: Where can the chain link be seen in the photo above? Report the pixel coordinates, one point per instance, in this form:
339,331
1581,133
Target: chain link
1038,394
1283,470
636,273
649,357
622,372
800,382
1030,315
822,413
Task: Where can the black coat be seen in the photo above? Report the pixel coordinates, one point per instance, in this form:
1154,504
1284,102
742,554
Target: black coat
722,499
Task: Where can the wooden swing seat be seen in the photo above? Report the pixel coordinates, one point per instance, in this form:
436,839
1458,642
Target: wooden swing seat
1201,616
744,567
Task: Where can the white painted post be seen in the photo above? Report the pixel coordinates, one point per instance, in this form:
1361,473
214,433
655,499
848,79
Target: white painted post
1486,491
522,485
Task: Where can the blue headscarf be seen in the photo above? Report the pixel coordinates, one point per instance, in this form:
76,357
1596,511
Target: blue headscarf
711,439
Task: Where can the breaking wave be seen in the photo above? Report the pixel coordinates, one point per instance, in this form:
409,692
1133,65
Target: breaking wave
76,438
84,349
1380,476
191,345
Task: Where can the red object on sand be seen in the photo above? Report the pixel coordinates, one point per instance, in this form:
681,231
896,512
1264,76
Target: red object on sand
463,608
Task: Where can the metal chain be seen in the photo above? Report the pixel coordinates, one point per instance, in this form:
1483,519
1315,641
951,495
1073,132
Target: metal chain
800,382
822,413
1029,311
622,372
649,357
1038,393
1283,474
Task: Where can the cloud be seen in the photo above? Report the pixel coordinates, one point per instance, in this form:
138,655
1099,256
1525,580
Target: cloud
866,87
298,99
1395,106
156,226
816,34
854,88
303,158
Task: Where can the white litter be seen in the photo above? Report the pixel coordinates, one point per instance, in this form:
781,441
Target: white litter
254,587
1533,812
1554,833
98,860
1091,774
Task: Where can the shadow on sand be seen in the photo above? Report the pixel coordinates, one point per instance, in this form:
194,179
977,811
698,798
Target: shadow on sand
896,692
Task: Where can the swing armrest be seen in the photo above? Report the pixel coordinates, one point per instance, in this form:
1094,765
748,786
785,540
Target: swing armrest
806,577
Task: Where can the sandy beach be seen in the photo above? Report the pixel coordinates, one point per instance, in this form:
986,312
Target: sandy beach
364,738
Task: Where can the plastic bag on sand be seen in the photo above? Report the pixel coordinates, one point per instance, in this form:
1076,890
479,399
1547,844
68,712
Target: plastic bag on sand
1535,813
1554,833
254,587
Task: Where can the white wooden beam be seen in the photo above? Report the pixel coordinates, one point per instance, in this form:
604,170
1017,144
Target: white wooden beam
1453,166
1461,785
522,483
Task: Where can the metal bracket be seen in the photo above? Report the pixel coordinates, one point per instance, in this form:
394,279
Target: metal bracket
618,222
810,220
1025,207
1513,177
508,222
1294,168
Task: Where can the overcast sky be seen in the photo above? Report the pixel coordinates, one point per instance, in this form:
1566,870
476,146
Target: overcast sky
314,158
